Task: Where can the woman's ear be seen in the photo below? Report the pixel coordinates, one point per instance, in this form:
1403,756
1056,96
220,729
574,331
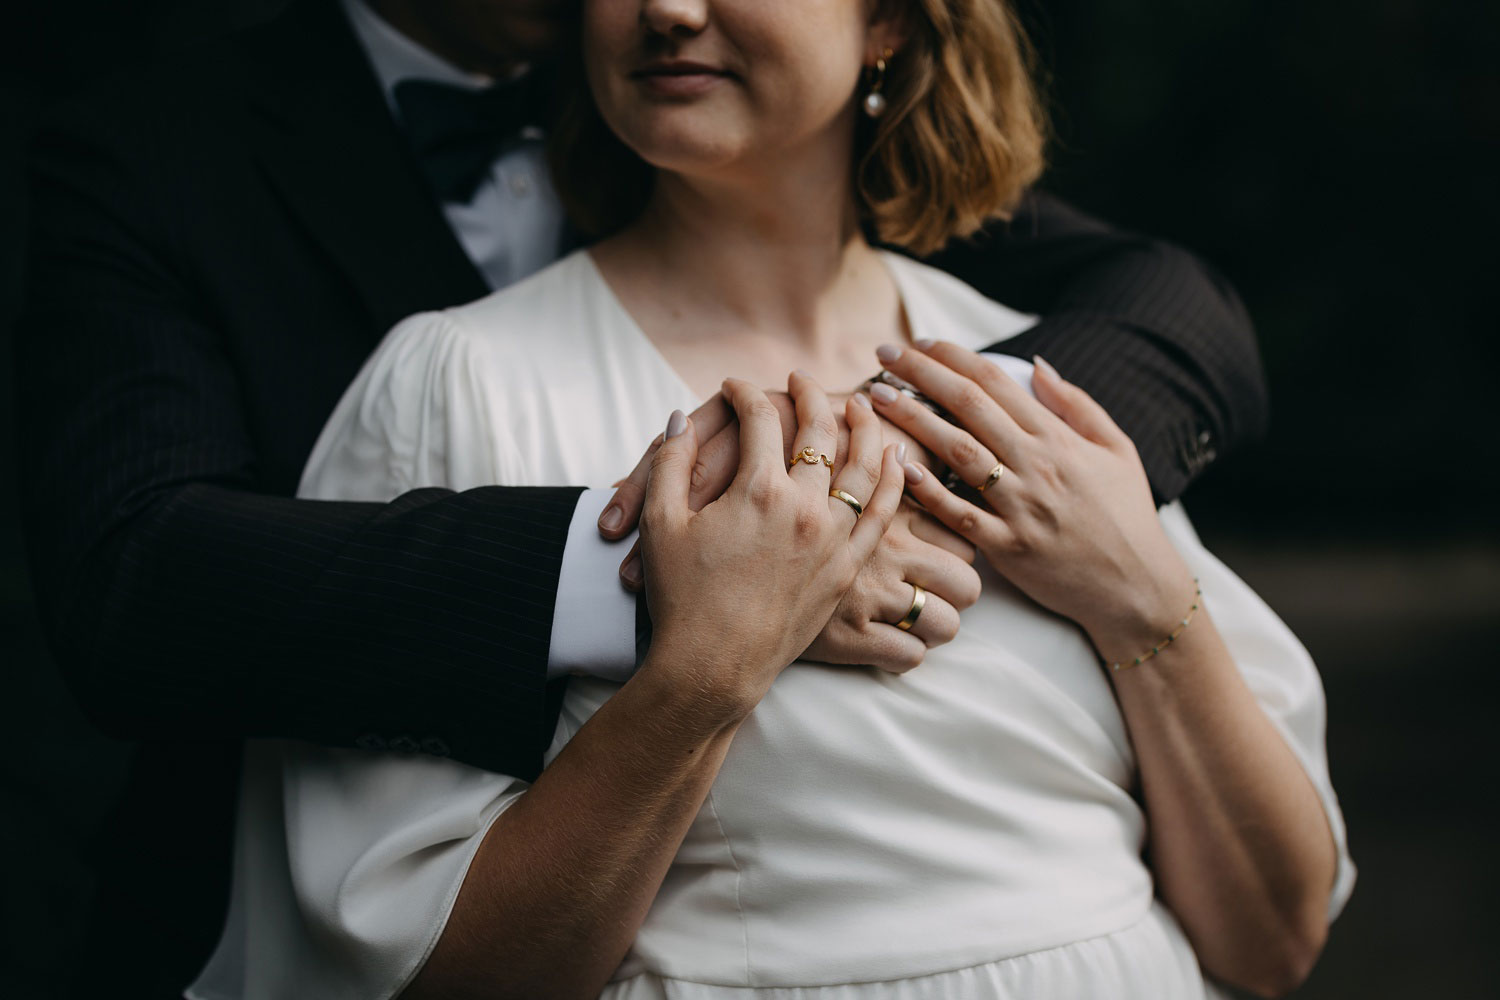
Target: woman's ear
890,27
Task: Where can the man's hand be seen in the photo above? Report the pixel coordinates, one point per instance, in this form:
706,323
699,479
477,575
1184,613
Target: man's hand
718,460
917,550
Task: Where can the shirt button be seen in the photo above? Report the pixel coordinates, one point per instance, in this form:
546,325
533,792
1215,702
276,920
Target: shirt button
520,185
404,745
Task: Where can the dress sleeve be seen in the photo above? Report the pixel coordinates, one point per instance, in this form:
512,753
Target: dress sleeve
1279,672
378,844
415,416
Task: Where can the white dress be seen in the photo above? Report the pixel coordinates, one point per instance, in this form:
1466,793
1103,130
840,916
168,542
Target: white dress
970,829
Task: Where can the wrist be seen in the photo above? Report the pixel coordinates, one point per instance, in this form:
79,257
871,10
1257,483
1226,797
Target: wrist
1149,626
690,692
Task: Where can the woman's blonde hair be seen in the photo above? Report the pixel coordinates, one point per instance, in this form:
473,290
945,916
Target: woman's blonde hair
961,138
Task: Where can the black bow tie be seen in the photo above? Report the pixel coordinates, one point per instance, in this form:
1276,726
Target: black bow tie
457,132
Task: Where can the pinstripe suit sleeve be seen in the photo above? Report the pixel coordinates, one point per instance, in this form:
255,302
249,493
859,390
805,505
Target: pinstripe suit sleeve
1160,340
183,599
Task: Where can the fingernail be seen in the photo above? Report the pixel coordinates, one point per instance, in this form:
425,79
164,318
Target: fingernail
888,353
862,400
801,372
612,518
901,452
1037,360
632,571
676,424
884,393
913,472
925,343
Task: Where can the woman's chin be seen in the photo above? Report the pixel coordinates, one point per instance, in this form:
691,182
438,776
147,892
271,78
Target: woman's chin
689,154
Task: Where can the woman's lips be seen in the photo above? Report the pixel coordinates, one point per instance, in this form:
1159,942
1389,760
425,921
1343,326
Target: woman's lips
679,79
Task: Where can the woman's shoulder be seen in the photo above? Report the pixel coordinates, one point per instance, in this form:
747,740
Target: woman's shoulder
941,307
515,311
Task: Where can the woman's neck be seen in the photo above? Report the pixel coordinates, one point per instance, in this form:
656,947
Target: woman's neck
770,258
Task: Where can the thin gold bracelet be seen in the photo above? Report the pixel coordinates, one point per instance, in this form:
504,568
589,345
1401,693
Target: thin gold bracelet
1197,597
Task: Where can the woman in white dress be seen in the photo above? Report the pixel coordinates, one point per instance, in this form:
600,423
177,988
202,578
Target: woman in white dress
1013,819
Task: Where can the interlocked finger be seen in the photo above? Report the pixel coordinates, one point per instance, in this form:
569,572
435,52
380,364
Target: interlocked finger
985,529
934,620
929,529
760,429
969,402
855,482
961,451
817,433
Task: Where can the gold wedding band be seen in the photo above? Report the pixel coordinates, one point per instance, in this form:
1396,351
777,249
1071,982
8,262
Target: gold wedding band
811,458
918,602
849,499
993,477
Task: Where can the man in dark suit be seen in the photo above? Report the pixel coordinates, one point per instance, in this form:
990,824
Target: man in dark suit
217,247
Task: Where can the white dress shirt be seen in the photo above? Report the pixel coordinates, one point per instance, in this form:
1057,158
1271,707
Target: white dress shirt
513,228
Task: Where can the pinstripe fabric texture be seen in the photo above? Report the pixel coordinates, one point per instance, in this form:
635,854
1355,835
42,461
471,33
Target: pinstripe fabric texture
1162,342
216,249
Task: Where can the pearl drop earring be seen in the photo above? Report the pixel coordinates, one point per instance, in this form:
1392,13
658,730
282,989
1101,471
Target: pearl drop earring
875,99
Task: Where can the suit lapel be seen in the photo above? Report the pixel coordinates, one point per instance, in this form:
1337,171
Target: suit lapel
326,140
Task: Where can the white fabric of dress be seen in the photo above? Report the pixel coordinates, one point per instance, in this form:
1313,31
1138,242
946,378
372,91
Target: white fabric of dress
970,829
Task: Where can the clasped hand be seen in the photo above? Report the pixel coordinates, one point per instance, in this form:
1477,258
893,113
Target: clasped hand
916,550
1065,512
738,589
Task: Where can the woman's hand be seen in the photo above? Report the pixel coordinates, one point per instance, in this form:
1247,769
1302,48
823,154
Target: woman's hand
1070,520
1240,845
740,588
917,551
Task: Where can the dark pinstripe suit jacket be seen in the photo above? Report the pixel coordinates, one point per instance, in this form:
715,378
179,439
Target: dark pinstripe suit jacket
216,250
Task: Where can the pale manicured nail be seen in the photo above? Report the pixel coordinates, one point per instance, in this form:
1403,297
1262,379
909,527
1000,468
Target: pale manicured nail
863,400
1037,360
888,353
676,424
632,571
802,372
612,518
901,452
925,343
913,472
884,393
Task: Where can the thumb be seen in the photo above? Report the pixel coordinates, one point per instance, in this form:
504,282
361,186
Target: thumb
623,512
670,476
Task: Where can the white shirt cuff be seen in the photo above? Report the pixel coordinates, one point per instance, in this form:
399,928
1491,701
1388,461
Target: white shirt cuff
593,621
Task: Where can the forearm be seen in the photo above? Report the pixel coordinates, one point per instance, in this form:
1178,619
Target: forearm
565,877
220,613
1239,842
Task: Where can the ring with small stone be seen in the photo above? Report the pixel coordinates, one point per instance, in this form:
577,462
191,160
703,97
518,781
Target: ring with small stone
993,477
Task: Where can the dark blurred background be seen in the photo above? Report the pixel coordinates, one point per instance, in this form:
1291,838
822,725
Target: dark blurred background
1340,162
